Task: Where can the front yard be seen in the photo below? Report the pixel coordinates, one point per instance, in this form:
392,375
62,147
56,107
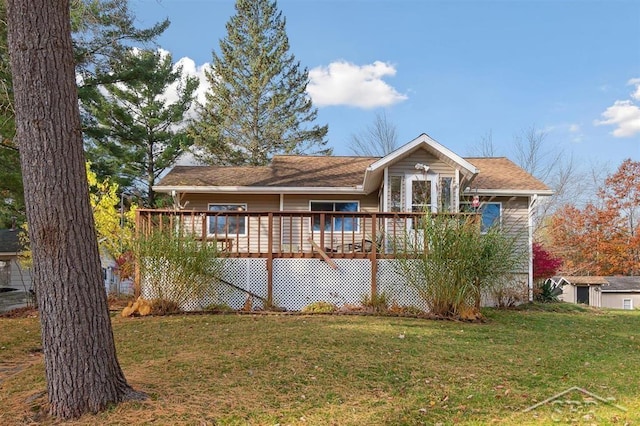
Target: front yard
352,370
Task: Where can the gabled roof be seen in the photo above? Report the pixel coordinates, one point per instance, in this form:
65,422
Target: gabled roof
581,280
304,174
424,141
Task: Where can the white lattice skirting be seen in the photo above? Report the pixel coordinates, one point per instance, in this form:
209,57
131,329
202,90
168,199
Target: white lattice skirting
296,284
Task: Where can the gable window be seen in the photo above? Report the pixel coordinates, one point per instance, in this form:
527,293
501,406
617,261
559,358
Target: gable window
337,223
227,225
491,214
627,304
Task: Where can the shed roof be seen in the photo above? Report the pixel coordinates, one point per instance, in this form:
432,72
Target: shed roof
582,280
284,171
622,284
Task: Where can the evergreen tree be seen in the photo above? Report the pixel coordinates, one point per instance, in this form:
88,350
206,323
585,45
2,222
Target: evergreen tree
257,105
11,193
135,133
101,29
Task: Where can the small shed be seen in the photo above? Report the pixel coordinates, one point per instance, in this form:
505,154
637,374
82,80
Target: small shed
616,292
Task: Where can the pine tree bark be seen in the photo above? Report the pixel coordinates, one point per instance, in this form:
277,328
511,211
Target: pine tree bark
82,370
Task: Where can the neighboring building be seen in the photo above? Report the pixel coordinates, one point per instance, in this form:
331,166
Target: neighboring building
349,212
12,275
600,292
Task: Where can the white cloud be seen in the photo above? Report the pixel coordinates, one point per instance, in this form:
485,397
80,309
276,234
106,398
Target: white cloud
189,69
635,82
574,128
624,114
344,83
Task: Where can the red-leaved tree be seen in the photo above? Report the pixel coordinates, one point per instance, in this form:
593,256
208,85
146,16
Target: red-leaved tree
545,264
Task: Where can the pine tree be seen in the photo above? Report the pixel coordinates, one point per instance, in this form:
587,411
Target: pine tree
101,31
136,134
82,370
257,105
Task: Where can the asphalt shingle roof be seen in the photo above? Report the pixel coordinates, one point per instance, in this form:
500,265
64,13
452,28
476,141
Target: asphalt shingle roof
329,171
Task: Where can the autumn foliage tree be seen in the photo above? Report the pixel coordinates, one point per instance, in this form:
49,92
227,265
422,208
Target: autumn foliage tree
545,264
603,237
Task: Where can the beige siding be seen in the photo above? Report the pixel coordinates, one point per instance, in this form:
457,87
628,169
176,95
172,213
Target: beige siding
261,203
296,232
407,164
615,300
515,221
256,228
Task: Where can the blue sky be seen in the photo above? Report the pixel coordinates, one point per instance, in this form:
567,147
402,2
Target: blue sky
455,70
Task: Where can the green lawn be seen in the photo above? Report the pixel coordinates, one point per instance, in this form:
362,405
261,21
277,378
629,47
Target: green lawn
353,370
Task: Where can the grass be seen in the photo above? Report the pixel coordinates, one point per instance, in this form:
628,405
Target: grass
353,370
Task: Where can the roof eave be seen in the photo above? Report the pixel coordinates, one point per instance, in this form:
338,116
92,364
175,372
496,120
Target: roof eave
261,189
510,192
424,139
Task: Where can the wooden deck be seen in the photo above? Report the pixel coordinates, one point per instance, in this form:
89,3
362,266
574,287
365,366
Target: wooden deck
292,234
296,234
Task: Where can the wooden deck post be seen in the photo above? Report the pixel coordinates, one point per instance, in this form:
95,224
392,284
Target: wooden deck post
373,256
270,261
137,289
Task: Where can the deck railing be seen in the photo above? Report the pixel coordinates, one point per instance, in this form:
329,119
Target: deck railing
291,234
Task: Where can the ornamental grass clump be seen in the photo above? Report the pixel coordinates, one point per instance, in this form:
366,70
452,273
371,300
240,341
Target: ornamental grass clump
178,269
450,263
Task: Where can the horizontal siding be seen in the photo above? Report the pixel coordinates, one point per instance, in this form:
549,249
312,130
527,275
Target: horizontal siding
260,202
615,300
296,232
407,164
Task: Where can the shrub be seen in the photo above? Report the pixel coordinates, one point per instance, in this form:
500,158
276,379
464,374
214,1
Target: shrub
164,307
175,267
320,308
377,303
219,307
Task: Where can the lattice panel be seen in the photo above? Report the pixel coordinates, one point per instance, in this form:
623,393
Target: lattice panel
248,274
391,281
300,282
296,284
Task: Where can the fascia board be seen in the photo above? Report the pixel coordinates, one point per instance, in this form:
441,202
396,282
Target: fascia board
423,139
260,189
510,192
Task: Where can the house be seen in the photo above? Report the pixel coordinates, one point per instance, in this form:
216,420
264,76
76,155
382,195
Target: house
12,274
311,228
600,292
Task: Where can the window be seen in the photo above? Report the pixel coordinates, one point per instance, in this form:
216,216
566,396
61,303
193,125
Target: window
627,304
395,190
420,196
227,225
491,214
339,223
445,194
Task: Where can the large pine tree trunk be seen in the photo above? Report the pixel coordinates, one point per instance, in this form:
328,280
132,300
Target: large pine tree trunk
83,374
